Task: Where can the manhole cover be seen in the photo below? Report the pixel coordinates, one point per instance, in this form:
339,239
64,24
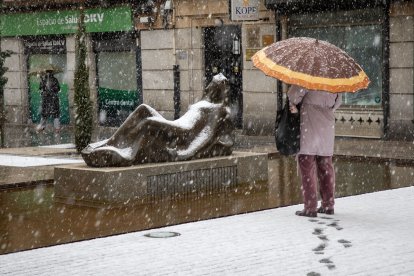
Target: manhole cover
162,234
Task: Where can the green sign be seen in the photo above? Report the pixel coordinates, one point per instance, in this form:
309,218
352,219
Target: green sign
65,22
116,104
117,99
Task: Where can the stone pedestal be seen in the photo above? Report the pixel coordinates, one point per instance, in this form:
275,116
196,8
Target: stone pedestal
116,186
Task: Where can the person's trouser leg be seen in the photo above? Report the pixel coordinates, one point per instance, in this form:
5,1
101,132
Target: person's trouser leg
307,167
326,175
56,124
42,124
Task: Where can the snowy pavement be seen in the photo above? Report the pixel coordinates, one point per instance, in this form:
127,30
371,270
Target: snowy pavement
371,234
23,157
33,161
60,146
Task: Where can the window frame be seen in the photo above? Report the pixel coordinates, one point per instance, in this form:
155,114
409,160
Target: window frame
112,43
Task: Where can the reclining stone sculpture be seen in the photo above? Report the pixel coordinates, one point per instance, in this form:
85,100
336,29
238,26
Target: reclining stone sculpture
205,130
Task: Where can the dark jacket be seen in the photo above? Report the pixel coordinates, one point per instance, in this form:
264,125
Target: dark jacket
49,88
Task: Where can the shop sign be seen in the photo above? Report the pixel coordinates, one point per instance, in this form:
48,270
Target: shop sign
64,22
267,40
244,10
47,44
250,52
115,102
117,99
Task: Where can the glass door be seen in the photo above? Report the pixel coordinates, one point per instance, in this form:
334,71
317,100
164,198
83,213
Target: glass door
223,55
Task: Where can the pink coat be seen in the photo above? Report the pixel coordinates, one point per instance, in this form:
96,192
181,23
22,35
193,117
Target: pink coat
317,120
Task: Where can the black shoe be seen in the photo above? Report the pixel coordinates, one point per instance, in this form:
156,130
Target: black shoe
322,210
305,213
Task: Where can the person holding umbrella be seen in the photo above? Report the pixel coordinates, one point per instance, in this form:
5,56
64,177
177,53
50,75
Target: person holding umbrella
49,89
316,147
317,71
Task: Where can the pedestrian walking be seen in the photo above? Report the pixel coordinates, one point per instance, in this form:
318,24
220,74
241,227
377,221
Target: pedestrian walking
317,134
49,89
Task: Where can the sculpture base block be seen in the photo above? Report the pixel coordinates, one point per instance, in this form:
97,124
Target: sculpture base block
116,186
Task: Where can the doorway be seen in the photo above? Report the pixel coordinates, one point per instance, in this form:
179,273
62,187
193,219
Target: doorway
223,55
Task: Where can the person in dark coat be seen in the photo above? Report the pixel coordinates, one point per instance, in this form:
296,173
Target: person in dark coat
49,89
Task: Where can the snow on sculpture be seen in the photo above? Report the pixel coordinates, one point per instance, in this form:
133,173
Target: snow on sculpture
205,130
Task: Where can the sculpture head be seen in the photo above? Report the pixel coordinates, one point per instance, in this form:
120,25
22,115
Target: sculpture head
217,91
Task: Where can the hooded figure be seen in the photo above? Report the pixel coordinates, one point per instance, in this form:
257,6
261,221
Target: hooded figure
205,130
49,89
317,135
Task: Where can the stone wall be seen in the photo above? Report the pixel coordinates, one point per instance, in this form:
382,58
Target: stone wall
402,71
161,50
157,70
259,91
190,57
70,67
15,93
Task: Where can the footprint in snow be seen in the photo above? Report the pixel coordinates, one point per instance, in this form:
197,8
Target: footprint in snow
345,243
313,274
320,247
323,237
331,266
317,231
328,263
335,224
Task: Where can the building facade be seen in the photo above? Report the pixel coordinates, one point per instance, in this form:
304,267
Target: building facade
163,53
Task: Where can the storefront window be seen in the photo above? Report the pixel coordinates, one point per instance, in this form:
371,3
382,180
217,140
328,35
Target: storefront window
117,82
361,40
43,53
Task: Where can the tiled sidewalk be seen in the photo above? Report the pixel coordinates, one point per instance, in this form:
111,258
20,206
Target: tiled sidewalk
370,234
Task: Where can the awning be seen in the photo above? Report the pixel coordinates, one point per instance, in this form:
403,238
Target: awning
296,6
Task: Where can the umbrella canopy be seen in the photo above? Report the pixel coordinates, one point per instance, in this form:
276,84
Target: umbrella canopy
41,70
311,63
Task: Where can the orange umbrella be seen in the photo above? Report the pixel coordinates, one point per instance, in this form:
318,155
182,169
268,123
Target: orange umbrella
311,63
